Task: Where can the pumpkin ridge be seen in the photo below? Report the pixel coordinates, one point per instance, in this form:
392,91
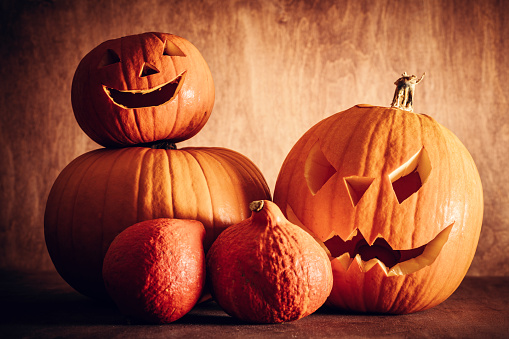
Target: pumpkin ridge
250,167
229,166
56,215
168,153
207,180
373,123
436,170
461,163
73,221
419,196
139,203
179,100
376,218
394,304
113,161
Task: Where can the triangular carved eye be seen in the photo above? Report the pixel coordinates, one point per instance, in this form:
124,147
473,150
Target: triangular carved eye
148,69
357,186
109,58
409,177
172,50
317,169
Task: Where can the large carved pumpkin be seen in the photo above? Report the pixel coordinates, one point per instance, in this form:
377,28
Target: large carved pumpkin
102,192
142,88
395,198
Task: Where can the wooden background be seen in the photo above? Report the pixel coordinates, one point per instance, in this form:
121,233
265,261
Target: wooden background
279,67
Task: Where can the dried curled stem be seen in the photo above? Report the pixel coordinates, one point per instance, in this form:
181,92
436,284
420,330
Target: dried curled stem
405,88
256,206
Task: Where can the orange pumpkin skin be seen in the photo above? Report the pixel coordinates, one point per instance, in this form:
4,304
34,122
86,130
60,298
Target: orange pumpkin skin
102,192
141,89
267,270
154,271
394,177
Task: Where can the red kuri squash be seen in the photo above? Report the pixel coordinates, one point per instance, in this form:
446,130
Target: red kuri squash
155,270
267,270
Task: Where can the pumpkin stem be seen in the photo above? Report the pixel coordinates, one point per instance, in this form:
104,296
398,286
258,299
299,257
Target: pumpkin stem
162,145
256,206
405,88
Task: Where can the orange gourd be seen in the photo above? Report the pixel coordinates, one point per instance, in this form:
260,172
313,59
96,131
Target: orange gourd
394,196
267,270
141,89
154,271
102,192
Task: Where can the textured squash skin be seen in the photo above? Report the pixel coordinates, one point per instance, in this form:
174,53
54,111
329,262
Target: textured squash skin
266,270
102,192
113,125
372,142
155,270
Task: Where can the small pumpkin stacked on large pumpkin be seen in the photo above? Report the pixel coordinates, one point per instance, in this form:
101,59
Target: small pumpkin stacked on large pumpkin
137,96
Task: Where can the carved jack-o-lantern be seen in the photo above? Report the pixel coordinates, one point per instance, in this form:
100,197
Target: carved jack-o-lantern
396,200
141,89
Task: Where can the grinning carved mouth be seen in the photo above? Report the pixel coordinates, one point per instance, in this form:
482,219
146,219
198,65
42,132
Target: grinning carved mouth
146,98
393,262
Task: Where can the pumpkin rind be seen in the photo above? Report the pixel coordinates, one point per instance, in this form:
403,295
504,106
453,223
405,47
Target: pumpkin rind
113,125
104,191
375,142
267,270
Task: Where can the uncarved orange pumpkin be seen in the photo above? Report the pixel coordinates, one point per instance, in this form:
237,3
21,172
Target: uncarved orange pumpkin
397,200
102,192
154,271
267,270
141,89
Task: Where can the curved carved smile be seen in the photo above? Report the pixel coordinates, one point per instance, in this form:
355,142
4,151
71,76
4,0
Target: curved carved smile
146,98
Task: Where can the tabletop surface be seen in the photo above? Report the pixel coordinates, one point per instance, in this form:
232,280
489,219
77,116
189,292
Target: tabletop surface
42,305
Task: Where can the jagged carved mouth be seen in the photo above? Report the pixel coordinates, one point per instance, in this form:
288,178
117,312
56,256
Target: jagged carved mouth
393,262
146,98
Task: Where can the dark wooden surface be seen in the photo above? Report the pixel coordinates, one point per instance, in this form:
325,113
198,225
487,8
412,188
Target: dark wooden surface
42,305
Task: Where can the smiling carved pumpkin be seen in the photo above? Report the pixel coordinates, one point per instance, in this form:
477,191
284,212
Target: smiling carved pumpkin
141,89
396,200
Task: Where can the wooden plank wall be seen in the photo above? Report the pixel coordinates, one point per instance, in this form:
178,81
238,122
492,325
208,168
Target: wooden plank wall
278,66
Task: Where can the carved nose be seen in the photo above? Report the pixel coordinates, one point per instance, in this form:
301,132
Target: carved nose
148,69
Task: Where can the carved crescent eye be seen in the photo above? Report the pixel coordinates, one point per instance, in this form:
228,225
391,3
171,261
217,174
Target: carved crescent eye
171,49
110,57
